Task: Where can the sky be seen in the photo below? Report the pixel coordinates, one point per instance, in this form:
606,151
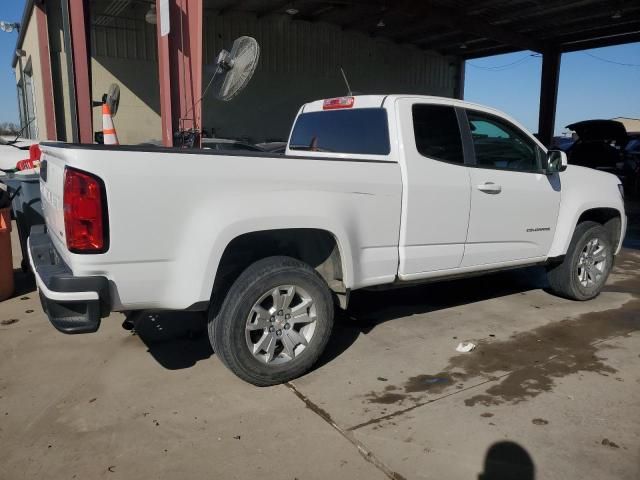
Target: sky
10,11
593,84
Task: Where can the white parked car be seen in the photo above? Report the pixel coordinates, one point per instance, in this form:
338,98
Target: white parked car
372,191
11,153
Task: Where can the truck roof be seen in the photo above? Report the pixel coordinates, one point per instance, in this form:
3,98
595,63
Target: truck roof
377,101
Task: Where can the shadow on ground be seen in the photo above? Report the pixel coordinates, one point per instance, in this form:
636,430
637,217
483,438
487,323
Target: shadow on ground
507,460
176,340
24,282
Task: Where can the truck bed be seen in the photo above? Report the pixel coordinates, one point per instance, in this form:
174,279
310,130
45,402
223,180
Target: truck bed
172,212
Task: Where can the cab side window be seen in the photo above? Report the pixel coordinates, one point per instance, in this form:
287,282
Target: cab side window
437,132
498,144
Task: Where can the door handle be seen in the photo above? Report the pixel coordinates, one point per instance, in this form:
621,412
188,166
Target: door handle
490,187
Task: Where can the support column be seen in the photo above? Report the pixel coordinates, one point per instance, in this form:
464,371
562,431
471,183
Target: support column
164,79
45,69
180,68
79,20
459,79
548,95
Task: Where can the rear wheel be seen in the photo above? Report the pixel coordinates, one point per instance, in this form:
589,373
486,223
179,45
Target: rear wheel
274,322
586,266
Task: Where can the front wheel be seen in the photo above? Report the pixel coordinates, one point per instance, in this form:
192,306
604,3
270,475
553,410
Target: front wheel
274,322
587,265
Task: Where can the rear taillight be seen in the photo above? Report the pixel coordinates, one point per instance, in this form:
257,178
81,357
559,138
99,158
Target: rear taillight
85,219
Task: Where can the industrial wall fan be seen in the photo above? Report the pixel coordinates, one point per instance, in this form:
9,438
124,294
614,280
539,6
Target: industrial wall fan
230,74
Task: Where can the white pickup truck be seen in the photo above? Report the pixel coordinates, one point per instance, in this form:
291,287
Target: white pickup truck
371,191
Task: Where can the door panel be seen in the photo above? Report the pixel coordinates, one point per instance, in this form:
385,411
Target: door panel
436,196
516,223
514,207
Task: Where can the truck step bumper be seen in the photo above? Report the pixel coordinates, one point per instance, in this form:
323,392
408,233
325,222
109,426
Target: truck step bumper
73,304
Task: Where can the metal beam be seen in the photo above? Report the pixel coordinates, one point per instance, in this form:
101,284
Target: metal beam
449,40
526,16
189,58
232,5
45,70
79,20
410,28
548,95
366,19
602,42
460,76
475,26
180,69
482,51
272,8
594,33
586,28
164,79
71,78
453,18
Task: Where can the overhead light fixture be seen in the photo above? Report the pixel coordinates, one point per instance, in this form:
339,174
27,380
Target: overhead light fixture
9,26
292,11
151,16
381,24
463,46
616,15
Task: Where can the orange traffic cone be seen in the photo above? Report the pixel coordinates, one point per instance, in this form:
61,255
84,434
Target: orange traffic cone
108,130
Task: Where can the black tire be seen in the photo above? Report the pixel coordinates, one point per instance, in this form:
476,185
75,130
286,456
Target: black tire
227,327
563,278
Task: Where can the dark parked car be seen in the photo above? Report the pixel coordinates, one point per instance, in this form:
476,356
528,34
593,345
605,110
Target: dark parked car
562,143
603,145
632,159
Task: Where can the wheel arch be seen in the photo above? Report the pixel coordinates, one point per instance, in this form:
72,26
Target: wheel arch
322,249
609,217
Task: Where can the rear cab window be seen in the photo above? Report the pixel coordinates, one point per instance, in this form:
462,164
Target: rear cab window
358,131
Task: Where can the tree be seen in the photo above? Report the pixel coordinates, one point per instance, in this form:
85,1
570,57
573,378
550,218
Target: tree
9,128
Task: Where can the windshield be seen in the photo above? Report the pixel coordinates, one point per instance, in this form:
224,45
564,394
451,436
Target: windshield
360,131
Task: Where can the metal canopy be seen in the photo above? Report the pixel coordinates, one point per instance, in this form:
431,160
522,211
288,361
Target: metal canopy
464,28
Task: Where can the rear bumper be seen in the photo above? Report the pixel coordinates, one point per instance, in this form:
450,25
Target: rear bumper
73,304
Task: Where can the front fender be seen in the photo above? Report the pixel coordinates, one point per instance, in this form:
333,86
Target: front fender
584,189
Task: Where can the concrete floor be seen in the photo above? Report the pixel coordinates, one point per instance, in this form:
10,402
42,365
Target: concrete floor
553,388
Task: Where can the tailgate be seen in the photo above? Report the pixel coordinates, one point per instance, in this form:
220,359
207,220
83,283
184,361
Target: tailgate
51,190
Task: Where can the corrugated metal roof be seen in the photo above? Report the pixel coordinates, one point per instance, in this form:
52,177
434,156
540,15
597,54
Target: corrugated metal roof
467,29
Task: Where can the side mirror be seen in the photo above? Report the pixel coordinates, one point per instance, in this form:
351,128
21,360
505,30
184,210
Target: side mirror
556,161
